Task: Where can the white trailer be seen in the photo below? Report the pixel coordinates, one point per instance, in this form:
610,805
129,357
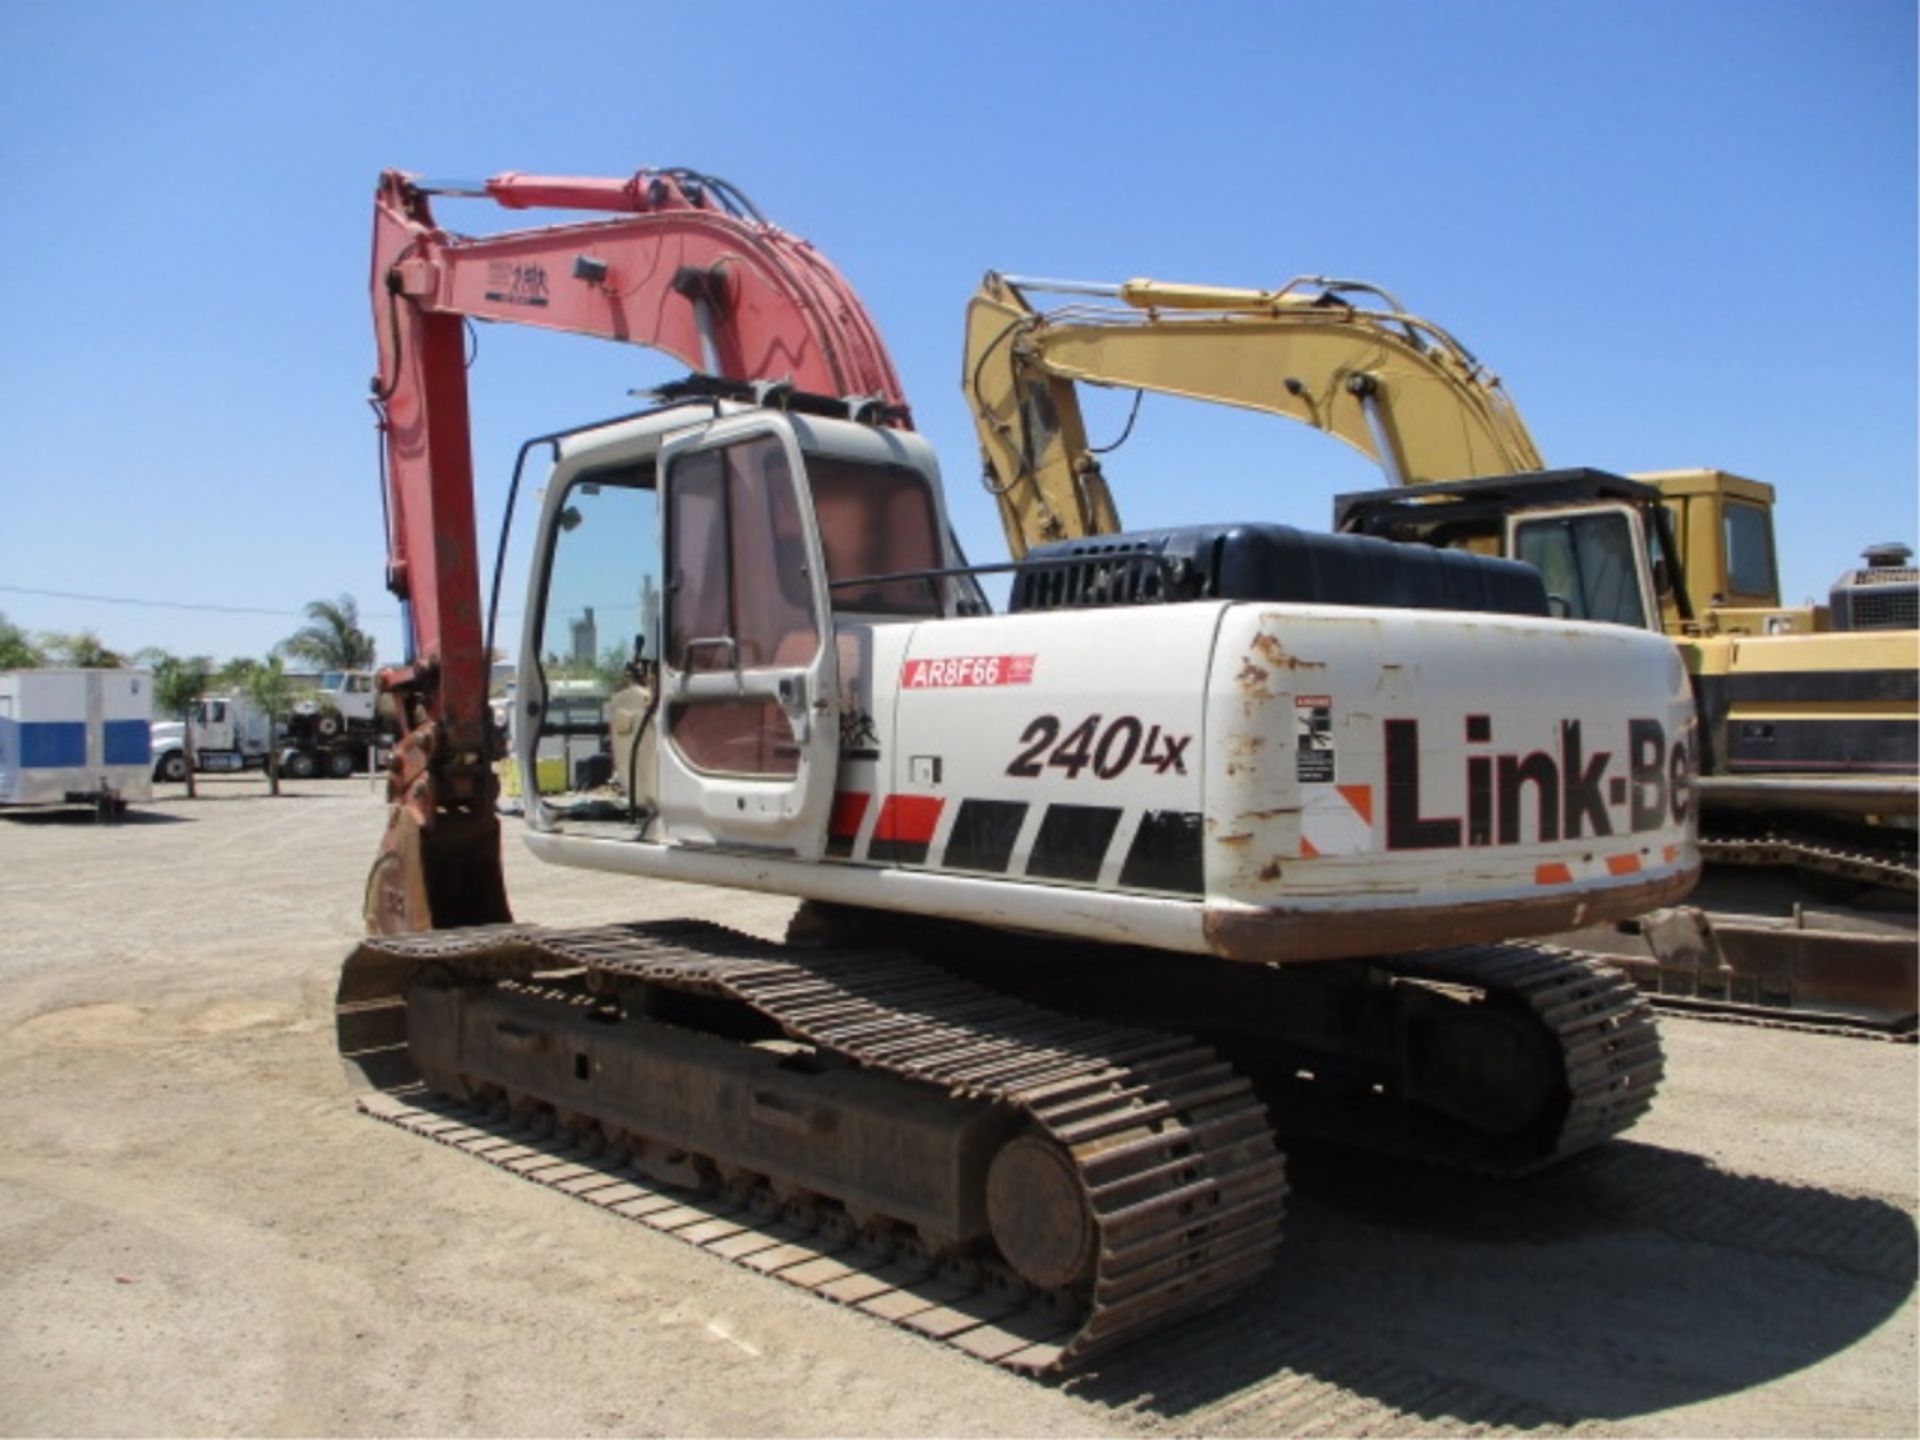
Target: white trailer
74,737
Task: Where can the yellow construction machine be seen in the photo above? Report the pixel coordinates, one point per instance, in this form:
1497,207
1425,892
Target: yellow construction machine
1808,713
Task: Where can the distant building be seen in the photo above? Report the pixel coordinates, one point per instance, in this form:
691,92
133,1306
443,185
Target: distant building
586,638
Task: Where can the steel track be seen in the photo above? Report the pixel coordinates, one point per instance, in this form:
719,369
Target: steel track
1605,1046
1760,1017
1175,1157
1608,1040
1888,867
1175,1161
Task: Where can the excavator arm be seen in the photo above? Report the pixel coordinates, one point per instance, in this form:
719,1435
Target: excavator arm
687,267
1342,356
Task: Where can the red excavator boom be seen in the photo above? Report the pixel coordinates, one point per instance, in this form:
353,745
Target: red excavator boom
688,268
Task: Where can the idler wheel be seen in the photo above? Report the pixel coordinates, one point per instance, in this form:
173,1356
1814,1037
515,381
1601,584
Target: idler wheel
1037,1211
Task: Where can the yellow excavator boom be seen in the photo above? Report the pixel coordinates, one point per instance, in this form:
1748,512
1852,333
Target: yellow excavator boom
1342,356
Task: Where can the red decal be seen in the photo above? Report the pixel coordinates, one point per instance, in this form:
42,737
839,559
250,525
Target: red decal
1552,875
909,819
849,809
967,672
1623,864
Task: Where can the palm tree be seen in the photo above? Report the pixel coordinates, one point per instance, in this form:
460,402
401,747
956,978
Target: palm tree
265,683
81,649
233,674
177,683
332,638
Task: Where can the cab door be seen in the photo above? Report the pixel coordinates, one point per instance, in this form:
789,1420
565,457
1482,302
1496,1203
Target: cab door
748,747
212,730
1594,558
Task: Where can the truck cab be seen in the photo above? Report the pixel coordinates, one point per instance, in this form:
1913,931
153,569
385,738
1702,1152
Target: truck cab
351,692
229,734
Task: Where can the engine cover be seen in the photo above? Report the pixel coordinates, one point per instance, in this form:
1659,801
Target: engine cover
1262,562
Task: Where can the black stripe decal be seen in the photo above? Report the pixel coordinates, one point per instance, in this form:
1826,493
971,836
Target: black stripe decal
1710,699
1848,746
897,852
1165,854
1072,843
983,835
1787,687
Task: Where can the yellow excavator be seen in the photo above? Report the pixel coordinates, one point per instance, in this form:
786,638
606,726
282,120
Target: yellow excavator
1808,714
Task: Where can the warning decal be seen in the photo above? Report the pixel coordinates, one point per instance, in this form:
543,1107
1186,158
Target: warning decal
1313,738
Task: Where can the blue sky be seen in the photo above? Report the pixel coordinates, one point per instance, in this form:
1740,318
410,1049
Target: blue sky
1683,233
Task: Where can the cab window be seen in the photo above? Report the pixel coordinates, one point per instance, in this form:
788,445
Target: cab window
876,520
1587,560
1749,539
739,597
601,598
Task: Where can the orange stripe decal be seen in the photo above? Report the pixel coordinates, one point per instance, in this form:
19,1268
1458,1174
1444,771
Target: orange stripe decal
1552,875
1623,864
1307,852
1360,797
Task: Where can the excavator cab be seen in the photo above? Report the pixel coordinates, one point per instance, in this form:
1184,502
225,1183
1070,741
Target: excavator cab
715,569
1595,560
1599,540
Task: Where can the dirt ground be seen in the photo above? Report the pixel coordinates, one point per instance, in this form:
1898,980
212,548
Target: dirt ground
200,1235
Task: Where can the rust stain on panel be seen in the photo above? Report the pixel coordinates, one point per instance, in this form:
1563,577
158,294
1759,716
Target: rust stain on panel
1274,653
1270,648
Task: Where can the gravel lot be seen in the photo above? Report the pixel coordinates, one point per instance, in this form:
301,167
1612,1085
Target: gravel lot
200,1235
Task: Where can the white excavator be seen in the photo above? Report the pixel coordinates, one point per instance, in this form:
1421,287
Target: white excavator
1223,832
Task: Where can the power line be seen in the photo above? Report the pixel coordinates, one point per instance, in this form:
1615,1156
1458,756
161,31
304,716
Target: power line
167,604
